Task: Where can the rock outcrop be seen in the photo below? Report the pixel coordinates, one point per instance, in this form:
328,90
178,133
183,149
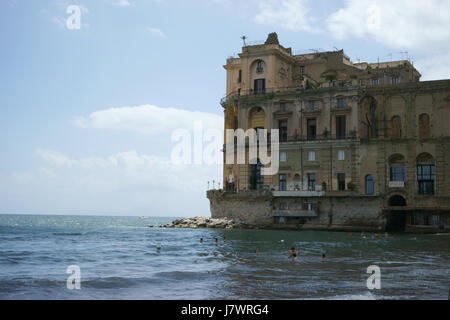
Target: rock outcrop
203,222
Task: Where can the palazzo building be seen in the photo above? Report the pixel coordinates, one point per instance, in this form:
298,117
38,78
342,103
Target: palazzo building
362,145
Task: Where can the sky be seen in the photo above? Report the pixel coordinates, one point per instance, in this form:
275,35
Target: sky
88,115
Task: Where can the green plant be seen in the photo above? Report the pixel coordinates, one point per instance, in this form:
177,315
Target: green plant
351,186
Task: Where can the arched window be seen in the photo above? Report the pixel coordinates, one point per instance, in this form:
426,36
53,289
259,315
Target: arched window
396,127
370,186
259,66
424,126
397,167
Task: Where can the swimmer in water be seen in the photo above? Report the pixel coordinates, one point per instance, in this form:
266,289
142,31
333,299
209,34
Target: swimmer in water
201,240
294,256
256,251
291,252
158,246
362,235
217,241
322,257
224,239
386,235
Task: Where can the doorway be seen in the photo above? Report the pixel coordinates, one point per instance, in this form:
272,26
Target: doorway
396,219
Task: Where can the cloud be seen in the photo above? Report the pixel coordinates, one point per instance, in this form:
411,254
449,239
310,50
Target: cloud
122,3
149,119
401,24
157,32
292,15
122,182
127,183
419,26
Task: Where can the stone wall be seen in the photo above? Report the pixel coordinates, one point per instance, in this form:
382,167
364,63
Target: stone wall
248,207
333,213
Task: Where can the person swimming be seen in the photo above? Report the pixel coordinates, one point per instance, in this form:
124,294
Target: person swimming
292,251
224,239
201,240
158,246
322,257
217,241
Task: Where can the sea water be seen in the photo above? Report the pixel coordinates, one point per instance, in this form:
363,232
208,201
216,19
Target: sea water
119,258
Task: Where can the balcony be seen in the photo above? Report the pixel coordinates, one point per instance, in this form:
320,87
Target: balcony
318,138
306,194
251,92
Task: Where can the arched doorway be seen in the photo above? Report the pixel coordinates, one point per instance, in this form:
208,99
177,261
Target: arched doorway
396,218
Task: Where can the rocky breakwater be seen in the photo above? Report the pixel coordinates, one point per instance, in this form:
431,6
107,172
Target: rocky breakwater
203,222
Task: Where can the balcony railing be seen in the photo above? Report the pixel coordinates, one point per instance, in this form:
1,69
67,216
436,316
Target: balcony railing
351,135
259,92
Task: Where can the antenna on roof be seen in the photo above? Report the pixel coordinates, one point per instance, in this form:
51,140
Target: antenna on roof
243,39
336,48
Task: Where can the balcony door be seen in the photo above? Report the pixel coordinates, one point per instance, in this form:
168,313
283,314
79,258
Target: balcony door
260,86
340,127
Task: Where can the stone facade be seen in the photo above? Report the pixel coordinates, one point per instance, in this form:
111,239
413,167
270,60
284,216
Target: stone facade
371,138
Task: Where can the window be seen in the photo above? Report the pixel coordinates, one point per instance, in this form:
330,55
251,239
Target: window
311,127
311,106
282,125
283,156
260,86
341,181
425,178
283,206
340,103
374,82
282,107
395,80
311,181
311,156
239,76
302,72
308,206
259,66
370,187
424,126
341,155
239,91
283,182
398,174
340,127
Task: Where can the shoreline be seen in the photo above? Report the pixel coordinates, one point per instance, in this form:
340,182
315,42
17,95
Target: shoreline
200,222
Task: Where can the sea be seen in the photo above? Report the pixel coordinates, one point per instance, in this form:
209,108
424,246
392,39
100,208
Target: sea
102,257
